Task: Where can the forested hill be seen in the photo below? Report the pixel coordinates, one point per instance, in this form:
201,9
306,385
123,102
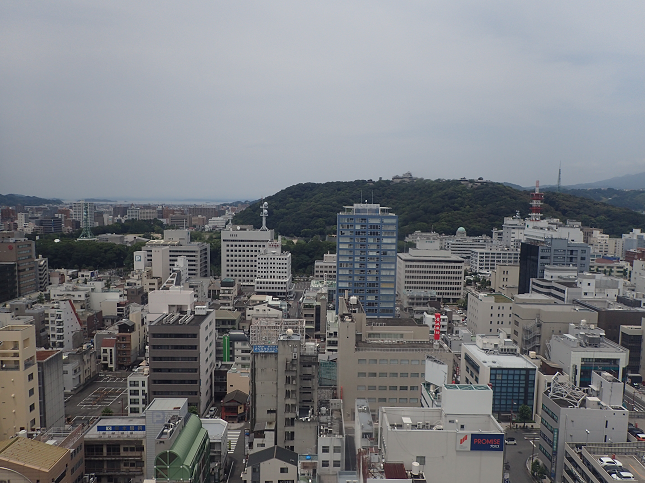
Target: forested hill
13,200
310,209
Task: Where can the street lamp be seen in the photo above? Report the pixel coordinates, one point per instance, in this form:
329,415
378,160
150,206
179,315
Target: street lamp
587,442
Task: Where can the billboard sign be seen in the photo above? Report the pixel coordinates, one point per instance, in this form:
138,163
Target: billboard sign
480,442
437,326
265,349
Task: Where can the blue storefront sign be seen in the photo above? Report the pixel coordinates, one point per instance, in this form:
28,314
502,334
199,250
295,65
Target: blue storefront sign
487,442
267,349
122,428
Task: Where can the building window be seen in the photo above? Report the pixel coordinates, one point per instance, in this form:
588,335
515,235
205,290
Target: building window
325,449
284,469
421,460
360,388
30,377
31,392
32,407
337,449
336,463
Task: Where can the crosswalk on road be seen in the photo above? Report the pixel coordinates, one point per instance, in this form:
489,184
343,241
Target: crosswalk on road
233,437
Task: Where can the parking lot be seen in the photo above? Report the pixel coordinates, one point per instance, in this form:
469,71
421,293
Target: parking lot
107,390
102,397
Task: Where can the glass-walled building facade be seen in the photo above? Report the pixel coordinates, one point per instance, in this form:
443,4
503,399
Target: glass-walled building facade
366,262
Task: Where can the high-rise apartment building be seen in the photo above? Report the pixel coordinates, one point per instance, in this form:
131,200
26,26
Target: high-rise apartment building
21,254
18,380
182,357
366,262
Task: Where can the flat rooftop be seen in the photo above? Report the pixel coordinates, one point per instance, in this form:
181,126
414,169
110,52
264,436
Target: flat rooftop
167,404
396,345
118,428
435,419
178,319
33,454
497,360
385,322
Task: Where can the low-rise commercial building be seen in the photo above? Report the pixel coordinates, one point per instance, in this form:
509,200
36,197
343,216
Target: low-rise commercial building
495,360
585,349
434,441
115,449
570,415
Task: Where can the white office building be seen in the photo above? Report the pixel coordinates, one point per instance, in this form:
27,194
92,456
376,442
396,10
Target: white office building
487,259
439,444
138,390
241,246
274,271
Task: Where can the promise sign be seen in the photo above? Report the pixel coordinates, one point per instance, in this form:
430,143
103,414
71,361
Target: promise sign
480,442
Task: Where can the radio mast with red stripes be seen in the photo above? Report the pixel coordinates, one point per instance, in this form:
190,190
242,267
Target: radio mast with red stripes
536,203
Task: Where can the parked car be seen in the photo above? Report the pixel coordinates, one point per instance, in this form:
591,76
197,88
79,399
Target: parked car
510,440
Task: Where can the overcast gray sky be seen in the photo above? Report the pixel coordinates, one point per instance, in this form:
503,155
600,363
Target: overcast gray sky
237,100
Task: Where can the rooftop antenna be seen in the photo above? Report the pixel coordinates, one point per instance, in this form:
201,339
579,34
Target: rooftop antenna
264,213
559,176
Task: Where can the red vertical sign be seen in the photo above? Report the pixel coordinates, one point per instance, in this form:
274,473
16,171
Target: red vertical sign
437,326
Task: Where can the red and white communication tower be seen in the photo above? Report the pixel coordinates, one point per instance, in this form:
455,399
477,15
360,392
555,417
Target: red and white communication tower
536,203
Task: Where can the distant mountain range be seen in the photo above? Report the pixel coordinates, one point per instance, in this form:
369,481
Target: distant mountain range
12,200
627,182
624,191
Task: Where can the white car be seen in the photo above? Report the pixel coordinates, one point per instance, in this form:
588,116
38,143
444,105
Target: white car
510,440
606,462
623,475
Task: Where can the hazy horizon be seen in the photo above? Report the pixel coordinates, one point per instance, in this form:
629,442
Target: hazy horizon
228,100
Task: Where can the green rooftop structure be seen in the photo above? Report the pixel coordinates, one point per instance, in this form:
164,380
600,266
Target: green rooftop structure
188,458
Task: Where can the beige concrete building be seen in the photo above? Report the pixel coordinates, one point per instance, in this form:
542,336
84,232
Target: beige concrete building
383,360
435,270
19,404
488,313
505,279
536,318
37,461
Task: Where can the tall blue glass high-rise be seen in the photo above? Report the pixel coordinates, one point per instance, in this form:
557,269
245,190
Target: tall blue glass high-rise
366,262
